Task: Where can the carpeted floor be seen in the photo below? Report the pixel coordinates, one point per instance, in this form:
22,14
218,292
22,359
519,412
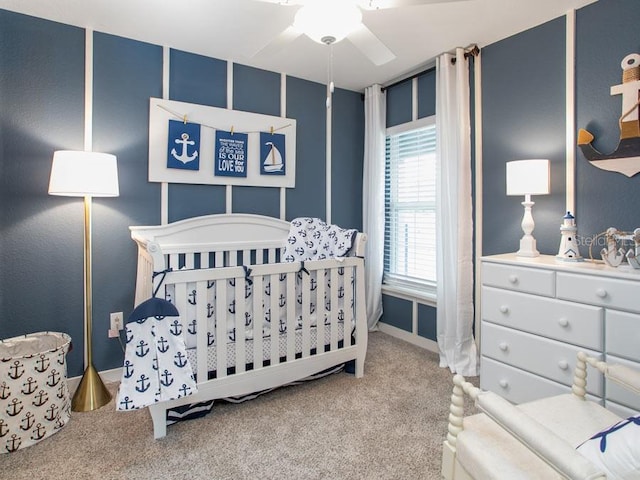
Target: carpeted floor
388,425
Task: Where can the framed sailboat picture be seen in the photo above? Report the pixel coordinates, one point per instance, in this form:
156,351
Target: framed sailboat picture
272,154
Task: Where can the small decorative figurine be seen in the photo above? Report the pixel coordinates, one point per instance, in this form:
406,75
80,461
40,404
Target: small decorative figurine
568,250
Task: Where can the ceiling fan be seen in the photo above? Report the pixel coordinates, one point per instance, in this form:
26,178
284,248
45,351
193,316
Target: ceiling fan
329,21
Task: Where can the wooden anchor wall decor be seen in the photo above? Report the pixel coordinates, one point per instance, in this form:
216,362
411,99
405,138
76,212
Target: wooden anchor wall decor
625,158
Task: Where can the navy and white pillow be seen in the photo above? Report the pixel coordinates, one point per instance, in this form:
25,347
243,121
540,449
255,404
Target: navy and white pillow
616,450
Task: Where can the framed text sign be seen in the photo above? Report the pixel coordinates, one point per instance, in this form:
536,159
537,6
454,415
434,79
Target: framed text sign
198,144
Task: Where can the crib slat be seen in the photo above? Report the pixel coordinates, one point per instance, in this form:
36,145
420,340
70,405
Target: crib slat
232,258
260,256
274,324
221,328
189,261
258,319
201,334
306,314
204,259
321,310
272,255
334,308
246,257
348,280
219,259
174,261
240,324
291,300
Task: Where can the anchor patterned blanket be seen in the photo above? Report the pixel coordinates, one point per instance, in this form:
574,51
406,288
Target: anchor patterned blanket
155,365
312,239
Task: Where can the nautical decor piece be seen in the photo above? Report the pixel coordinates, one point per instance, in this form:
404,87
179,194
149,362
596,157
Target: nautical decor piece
203,145
184,145
625,158
568,250
156,367
622,246
34,397
272,154
231,154
528,177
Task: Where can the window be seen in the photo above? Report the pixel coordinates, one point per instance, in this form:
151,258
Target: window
410,205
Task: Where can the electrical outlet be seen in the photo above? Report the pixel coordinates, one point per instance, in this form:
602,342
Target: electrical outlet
116,321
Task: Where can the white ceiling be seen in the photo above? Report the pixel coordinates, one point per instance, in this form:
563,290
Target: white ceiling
234,30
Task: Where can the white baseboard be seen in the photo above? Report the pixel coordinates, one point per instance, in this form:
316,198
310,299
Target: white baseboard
108,376
409,337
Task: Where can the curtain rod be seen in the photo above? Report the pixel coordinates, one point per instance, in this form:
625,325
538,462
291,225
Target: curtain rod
471,50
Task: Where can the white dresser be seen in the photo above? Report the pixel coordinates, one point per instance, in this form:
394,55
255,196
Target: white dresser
537,313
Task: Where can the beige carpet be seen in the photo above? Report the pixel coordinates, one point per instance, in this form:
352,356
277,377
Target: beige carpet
388,425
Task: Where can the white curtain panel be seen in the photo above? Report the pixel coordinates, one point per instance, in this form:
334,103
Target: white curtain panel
373,199
454,217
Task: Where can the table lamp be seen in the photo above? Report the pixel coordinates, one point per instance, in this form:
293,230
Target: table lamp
528,177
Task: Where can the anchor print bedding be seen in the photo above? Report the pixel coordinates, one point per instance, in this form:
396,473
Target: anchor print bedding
277,319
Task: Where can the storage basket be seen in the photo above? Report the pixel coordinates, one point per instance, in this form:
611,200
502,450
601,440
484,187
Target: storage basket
34,397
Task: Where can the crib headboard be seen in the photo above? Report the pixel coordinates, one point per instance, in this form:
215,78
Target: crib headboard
218,240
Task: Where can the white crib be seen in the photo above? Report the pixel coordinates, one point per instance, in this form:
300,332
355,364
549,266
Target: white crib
221,257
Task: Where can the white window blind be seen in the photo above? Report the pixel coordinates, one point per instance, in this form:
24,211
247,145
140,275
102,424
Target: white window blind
410,206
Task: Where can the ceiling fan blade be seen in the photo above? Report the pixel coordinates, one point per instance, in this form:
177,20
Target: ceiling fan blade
382,4
370,45
278,43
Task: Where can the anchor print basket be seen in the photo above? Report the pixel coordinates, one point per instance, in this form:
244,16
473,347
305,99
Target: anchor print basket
34,397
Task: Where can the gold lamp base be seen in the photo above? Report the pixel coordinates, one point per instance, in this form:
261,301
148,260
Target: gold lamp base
91,394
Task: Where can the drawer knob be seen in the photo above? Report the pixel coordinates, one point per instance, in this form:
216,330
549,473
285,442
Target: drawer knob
563,365
513,279
503,383
503,346
504,309
601,292
563,322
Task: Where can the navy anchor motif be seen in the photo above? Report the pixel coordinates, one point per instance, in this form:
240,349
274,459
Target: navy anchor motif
39,432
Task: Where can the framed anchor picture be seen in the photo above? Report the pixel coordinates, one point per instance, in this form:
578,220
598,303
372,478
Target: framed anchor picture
199,144
184,145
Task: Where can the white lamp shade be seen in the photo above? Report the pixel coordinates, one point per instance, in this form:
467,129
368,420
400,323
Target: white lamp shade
80,174
528,177
328,18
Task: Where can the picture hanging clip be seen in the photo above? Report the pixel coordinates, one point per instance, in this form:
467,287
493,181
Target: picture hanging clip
271,129
184,118
231,129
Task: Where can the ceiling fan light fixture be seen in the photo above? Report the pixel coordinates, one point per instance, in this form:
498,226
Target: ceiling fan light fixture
328,21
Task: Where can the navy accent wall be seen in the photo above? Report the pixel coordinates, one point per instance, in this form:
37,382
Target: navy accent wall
125,74
256,90
397,312
41,236
306,103
427,325
200,80
399,103
607,31
427,94
42,75
523,83
346,175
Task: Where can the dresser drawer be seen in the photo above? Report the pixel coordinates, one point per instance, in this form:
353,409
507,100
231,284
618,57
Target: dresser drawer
619,394
516,385
564,321
623,334
604,291
521,279
542,356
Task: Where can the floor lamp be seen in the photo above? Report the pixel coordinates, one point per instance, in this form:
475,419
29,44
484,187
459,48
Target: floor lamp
528,177
86,174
